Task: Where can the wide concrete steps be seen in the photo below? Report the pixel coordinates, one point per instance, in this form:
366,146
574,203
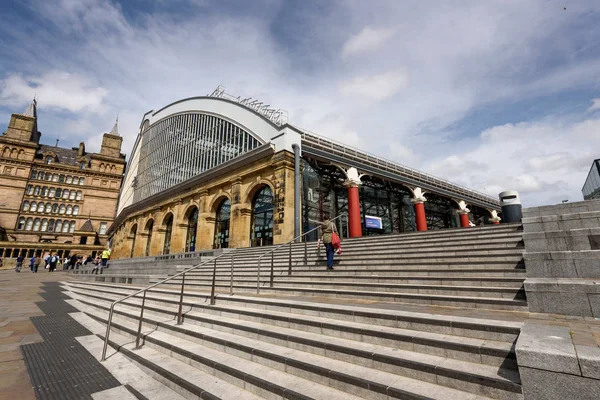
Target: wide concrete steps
335,359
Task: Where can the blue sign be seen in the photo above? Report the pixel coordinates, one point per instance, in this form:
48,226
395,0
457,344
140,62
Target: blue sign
373,222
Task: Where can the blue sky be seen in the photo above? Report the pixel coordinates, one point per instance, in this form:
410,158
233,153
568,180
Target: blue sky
491,94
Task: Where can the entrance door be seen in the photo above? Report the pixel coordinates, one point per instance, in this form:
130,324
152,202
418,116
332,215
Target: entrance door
261,229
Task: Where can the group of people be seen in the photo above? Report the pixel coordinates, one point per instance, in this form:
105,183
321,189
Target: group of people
52,261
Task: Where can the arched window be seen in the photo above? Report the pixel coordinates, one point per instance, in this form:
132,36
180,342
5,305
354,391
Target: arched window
81,181
261,227
48,176
222,225
36,191
192,227
134,234
62,209
69,179
61,178
41,207
58,226
72,227
44,225
21,224
168,224
69,210
54,177
25,205
49,160
58,193
76,210
65,194
51,225
79,193
65,228
48,208
44,191
52,192
29,189
36,224
72,194
149,229
29,224
54,208
33,174
33,207
82,165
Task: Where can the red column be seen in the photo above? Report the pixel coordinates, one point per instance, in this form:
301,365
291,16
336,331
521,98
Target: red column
420,217
496,222
354,222
464,220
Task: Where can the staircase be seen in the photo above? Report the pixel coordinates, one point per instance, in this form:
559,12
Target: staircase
430,315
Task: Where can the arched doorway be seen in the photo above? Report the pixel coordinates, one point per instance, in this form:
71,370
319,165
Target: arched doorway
261,227
222,225
192,228
149,229
168,230
134,233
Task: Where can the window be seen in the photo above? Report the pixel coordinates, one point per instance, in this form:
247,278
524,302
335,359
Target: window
33,174
48,159
222,225
69,179
79,193
41,207
54,208
51,192
65,194
51,225
21,224
58,226
65,228
25,206
58,193
82,165
48,208
72,227
29,189
192,228
261,226
102,228
76,210
33,207
81,181
61,178
72,195
168,224
29,224
44,225
55,178
36,192
62,209
69,210
44,191
48,176
36,224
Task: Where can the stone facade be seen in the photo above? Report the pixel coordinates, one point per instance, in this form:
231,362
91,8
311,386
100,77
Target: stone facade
239,185
49,192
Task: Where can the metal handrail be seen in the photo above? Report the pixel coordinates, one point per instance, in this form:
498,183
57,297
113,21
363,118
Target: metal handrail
212,292
289,243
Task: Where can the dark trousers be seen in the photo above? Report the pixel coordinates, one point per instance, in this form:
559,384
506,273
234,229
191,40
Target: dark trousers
329,250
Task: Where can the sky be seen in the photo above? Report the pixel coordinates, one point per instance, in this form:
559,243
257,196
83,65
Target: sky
493,95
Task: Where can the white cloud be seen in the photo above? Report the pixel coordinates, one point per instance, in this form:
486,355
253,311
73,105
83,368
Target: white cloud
71,92
595,105
367,39
376,87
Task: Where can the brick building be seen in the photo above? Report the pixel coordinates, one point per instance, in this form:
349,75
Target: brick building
54,199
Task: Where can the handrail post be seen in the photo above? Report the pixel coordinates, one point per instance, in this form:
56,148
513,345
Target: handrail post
305,252
110,314
179,314
290,264
139,332
212,290
231,280
272,271
258,278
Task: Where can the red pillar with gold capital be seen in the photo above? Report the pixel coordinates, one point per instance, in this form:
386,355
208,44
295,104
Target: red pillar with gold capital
420,219
354,222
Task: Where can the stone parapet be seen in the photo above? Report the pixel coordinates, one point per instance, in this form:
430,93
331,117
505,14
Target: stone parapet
579,297
563,264
567,208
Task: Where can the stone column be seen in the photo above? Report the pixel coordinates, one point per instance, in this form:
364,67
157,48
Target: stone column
419,203
206,225
239,226
283,210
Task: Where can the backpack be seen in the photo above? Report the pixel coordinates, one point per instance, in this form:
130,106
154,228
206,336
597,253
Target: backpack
53,259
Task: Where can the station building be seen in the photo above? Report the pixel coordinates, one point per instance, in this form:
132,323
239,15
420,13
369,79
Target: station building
54,199
220,171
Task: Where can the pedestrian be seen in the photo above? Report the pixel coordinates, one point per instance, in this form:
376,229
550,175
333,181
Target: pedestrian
31,263
20,260
73,261
36,263
327,229
104,259
52,260
46,261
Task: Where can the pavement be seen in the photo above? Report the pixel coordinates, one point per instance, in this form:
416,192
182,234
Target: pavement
18,294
